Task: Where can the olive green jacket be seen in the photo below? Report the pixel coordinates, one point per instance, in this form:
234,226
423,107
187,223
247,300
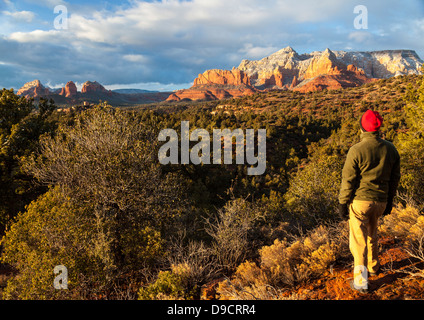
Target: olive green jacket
371,171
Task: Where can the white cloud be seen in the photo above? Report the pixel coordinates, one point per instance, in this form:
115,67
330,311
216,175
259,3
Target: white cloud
148,22
135,58
20,16
249,51
360,36
170,41
154,86
36,36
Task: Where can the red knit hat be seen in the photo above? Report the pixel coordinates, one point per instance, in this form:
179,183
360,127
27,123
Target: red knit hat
371,121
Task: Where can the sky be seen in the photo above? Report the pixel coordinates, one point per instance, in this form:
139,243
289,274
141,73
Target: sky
164,44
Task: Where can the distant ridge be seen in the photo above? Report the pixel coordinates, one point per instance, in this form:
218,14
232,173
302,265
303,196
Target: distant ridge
132,91
91,92
288,70
282,70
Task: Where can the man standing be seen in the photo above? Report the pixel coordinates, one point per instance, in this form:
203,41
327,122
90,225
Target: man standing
370,178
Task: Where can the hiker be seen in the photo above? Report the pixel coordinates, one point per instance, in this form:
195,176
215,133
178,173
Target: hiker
370,178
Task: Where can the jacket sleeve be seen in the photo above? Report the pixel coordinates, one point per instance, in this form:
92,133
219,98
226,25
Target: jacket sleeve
394,177
350,176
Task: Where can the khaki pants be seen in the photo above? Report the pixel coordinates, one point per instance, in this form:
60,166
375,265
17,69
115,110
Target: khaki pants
363,241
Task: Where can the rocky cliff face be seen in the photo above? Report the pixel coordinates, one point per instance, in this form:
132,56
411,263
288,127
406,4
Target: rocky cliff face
211,92
33,89
93,87
69,90
91,93
286,69
374,64
225,77
325,63
216,84
383,64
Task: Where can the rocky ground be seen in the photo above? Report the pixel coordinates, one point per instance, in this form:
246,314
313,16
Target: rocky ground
395,281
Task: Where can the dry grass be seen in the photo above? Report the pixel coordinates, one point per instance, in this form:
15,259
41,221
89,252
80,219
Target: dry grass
407,224
286,264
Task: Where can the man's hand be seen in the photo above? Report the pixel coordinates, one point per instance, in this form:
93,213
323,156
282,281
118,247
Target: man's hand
343,211
389,207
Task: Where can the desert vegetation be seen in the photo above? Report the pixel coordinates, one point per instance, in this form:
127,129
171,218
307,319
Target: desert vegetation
85,189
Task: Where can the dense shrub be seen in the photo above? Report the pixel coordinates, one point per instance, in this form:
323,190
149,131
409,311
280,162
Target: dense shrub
22,122
52,231
232,232
406,224
104,165
411,149
313,193
287,263
170,285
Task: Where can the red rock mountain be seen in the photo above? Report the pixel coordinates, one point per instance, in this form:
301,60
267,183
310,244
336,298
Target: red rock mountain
33,89
69,90
234,77
287,70
91,92
216,84
282,70
93,87
211,92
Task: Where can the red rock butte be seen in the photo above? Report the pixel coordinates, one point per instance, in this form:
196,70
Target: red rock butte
234,77
282,70
69,90
33,89
93,86
288,70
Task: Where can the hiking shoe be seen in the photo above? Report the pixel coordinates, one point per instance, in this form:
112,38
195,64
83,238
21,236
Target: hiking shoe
352,286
